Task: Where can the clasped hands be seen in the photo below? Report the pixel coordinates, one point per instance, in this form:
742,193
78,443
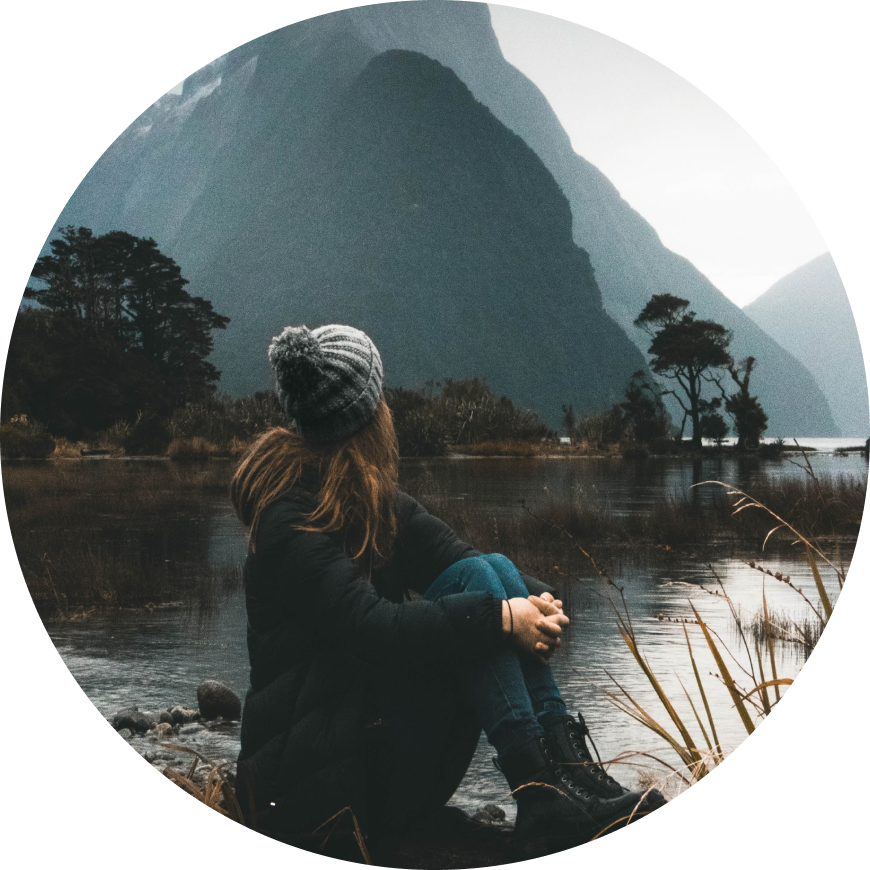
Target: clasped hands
535,624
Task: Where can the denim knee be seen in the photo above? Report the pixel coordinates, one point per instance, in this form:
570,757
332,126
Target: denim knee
474,574
508,574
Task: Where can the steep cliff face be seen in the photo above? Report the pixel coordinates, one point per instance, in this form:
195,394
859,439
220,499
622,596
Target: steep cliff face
209,171
808,313
422,219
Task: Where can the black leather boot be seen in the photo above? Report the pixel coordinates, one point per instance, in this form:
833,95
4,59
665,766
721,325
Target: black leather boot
567,740
551,804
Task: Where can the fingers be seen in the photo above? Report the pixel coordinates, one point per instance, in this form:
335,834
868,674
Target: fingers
556,602
548,648
551,625
543,652
548,606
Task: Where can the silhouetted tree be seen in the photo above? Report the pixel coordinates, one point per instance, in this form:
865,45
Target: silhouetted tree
644,411
569,420
750,421
686,351
115,332
713,426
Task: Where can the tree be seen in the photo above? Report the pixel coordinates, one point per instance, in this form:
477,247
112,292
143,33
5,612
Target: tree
569,420
115,332
713,426
687,351
750,421
644,411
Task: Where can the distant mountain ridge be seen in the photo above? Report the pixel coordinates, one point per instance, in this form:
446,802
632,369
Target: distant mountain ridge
201,170
808,313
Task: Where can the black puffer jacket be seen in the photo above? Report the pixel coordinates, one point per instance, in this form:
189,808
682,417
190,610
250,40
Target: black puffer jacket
316,629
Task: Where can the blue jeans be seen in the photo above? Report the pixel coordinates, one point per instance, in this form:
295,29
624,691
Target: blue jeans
432,719
512,694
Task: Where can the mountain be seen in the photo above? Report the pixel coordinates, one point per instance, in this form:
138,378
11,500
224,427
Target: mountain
807,312
420,218
212,171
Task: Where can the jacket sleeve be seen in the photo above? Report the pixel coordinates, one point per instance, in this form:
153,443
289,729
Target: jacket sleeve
314,580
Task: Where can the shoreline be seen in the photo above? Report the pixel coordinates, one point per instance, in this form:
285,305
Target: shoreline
706,452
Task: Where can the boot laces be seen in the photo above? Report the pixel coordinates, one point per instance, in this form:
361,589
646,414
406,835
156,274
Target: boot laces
564,775
580,747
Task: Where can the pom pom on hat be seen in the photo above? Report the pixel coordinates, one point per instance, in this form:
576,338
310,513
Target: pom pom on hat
329,380
297,360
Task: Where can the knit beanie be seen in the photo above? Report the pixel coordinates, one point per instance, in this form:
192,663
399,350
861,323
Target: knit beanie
329,380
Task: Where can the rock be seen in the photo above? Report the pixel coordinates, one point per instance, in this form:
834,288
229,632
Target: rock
182,715
132,720
162,730
165,718
215,699
126,733
491,814
191,728
119,719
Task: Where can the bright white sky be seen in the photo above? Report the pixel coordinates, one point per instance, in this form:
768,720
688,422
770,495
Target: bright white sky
707,188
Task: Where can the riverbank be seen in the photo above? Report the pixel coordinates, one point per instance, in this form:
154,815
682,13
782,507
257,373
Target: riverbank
31,441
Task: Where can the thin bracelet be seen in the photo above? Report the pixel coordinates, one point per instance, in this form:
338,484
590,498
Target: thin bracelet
510,611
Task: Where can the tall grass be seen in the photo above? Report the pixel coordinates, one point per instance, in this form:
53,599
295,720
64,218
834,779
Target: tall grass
813,513
89,536
209,783
24,438
755,688
222,420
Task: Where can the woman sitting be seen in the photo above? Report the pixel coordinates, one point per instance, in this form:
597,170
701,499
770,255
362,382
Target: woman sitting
363,696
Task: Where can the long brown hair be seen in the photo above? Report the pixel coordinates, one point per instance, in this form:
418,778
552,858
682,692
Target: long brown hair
358,479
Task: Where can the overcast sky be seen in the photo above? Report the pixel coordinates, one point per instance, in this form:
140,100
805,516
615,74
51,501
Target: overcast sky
710,192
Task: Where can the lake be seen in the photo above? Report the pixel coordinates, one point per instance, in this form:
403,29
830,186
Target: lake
156,657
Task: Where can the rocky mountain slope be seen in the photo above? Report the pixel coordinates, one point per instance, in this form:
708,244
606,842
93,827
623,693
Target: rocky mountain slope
808,313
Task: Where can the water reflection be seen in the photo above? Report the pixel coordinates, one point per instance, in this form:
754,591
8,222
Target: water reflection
157,657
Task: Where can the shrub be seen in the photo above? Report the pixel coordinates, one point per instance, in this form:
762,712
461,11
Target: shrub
222,420
22,439
461,413
65,449
421,434
773,450
148,436
600,427
116,436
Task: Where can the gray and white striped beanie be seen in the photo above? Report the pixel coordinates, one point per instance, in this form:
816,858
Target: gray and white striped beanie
329,380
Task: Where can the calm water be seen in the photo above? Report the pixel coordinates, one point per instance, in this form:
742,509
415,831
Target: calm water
156,659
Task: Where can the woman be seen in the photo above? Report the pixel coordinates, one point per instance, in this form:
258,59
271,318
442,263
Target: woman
362,696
